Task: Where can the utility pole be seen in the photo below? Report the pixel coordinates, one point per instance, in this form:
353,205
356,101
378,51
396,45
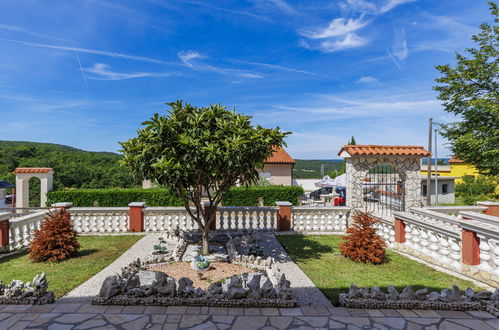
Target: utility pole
428,177
436,170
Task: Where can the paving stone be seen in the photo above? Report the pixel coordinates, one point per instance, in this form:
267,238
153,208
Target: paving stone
155,310
42,308
73,318
174,318
10,321
281,322
223,326
379,326
205,326
43,318
481,314
423,320
20,325
357,312
176,309
170,326
426,313
291,311
270,311
321,310
473,324
218,310
413,326
252,311
5,315
28,316
335,325
114,310
357,321
120,318
66,308
193,310
268,328
88,308
446,325
374,312
95,322
139,323
303,327
58,326
453,314
223,318
156,327
235,311
391,322
390,312
249,322
158,318
493,323
309,311
133,309
407,312
205,310
16,308
316,322
192,320
340,311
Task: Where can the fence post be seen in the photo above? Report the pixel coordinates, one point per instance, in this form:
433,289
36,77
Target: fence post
4,232
470,248
136,216
492,208
63,205
206,209
399,231
284,216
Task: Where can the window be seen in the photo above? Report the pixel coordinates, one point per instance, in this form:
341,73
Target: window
425,190
445,188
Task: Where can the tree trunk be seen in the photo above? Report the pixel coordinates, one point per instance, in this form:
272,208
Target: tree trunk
206,238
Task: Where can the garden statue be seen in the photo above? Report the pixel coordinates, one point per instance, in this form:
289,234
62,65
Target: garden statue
200,264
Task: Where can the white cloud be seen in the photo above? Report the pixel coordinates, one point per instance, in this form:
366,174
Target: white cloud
367,80
390,4
399,48
337,27
351,40
24,30
102,71
238,12
275,67
373,8
284,6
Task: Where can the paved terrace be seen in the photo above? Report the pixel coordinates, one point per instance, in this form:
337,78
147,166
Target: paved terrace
85,316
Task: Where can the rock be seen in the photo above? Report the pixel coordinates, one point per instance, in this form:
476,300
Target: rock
215,290
376,293
136,292
434,296
235,288
494,297
267,288
421,294
284,289
253,285
133,282
2,288
353,293
147,277
164,285
446,295
456,294
364,293
110,287
393,294
185,288
482,295
28,291
469,293
407,294
40,284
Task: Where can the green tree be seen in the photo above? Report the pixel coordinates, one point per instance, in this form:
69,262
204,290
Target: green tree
352,141
470,90
194,150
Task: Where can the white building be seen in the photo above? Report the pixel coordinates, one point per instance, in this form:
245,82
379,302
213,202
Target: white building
445,186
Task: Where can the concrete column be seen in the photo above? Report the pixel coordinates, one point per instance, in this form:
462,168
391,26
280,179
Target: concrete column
136,216
206,209
22,191
4,232
470,248
399,231
284,216
46,185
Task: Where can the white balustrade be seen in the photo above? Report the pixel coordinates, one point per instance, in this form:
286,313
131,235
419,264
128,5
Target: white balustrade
454,210
488,234
21,229
95,220
158,219
386,230
247,217
323,219
437,218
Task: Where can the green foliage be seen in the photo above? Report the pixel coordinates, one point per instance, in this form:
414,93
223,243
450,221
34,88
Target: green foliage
161,247
248,196
74,168
352,141
474,186
311,169
114,197
334,174
470,90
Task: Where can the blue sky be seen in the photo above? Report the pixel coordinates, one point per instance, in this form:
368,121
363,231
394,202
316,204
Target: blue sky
86,73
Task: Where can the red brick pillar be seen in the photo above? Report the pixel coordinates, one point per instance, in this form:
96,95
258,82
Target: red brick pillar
136,216
206,209
399,231
284,216
4,232
470,248
492,208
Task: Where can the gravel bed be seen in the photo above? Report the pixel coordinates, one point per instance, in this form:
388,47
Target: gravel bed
304,290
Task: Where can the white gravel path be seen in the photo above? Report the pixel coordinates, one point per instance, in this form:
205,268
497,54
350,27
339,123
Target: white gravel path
141,249
304,290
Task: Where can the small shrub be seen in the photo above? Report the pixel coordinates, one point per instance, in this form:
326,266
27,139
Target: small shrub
362,244
248,196
475,186
56,239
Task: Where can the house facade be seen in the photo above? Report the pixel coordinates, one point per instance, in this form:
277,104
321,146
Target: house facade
278,168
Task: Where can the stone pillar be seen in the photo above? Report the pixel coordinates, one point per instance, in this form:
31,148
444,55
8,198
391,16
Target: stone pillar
470,248
46,185
62,205
206,209
22,191
284,216
136,216
4,232
492,208
399,231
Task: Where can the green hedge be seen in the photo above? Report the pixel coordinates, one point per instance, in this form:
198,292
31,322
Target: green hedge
114,197
242,196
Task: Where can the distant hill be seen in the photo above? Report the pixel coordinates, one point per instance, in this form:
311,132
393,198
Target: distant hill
311,169
74,168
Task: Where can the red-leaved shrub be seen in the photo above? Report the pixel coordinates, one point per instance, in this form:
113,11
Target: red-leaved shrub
56,239
362,244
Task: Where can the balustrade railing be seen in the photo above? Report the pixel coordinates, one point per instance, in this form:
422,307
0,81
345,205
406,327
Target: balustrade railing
95,220
438,218
157,219
21,229
324,219
488,235
247,217
386,230
454,210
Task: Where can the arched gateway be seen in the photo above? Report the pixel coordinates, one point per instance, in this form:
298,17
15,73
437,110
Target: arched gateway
383,178
23,174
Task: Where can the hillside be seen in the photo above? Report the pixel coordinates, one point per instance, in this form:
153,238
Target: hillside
311,169
74,168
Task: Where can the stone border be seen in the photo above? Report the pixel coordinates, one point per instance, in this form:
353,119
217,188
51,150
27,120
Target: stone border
46,298
29,293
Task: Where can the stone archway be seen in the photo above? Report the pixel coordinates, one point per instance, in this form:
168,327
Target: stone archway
23,174
360,159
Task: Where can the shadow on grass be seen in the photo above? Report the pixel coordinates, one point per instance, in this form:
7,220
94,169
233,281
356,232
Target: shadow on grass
86,252
302,248
24,253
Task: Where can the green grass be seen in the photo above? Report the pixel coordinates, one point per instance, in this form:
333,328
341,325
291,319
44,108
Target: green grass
458,201
320,259
95,254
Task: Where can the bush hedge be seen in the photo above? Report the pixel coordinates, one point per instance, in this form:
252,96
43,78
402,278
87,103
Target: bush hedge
114,197
248,196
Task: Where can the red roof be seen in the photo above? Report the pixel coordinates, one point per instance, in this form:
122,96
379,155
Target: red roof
279,156
377,150
455,160
20,170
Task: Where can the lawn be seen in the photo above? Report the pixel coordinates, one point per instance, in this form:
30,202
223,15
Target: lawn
95,254
320,259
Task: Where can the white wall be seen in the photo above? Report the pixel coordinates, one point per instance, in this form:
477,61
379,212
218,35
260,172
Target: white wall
306,184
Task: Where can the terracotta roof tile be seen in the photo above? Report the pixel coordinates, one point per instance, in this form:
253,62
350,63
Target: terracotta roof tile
279,156
20,170
455,160
380,150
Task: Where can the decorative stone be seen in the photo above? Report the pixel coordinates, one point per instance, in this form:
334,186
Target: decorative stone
110,287
434,296
376,294
393,294
185,288
482,295
421,294
164,285
407,294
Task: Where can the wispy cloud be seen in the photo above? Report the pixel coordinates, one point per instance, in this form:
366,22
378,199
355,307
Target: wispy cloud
231,11
337,27
20,29
390,55
274,67
351,40
366,80
390,4
102,71
283,6
372,8
90,51
191,59
399,48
